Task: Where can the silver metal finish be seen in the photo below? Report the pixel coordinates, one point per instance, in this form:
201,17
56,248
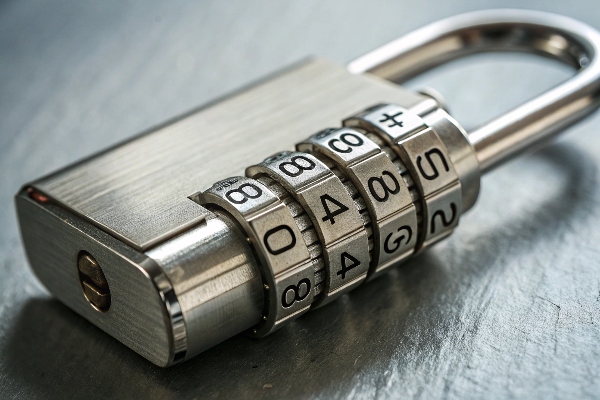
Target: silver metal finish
332,212
138,191
388,200
217,281
557,37
125,201
228,258
506,308
427,156
442,211
137,316
461,153
278,243
428,160
395,123
307,229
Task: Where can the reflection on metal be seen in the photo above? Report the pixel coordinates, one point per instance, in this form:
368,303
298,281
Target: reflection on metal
557,37
191,263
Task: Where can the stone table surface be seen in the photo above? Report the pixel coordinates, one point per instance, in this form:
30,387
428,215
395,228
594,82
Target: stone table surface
508,307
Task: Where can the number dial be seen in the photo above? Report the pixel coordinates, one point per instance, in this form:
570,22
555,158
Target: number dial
443,210
426,157
379,182
277,241
428,160
330,208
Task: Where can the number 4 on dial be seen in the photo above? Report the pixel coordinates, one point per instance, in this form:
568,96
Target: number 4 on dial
345,258
328,213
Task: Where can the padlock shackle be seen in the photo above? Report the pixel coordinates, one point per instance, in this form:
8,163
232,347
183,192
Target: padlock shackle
550,35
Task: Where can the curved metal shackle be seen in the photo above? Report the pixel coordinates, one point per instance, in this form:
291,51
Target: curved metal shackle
550,35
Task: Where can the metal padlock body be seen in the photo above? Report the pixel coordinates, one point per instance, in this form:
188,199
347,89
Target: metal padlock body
140,193
183,278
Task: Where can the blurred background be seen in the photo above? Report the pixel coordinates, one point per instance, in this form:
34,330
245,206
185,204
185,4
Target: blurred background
520,277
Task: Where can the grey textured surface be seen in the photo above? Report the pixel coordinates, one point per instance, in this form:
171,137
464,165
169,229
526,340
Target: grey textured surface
509,306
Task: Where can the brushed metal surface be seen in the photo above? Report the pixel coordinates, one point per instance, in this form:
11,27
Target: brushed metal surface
506,308
139,191
216,279
137,315
169,304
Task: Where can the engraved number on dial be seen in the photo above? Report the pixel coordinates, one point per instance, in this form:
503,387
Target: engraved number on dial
279,239
435,173
294,293
349,139
377,184
326,200
445,221
296,166
397,241
240,196
348,262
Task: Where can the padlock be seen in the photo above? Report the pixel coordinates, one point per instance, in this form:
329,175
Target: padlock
141,241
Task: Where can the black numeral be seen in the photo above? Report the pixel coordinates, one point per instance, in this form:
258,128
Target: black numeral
296,168
384,186
286,231
445,222
244,195
435,172
328,213
345,267
293,293
397,241
346,139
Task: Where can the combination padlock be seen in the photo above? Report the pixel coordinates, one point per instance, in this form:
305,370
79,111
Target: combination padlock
141,241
